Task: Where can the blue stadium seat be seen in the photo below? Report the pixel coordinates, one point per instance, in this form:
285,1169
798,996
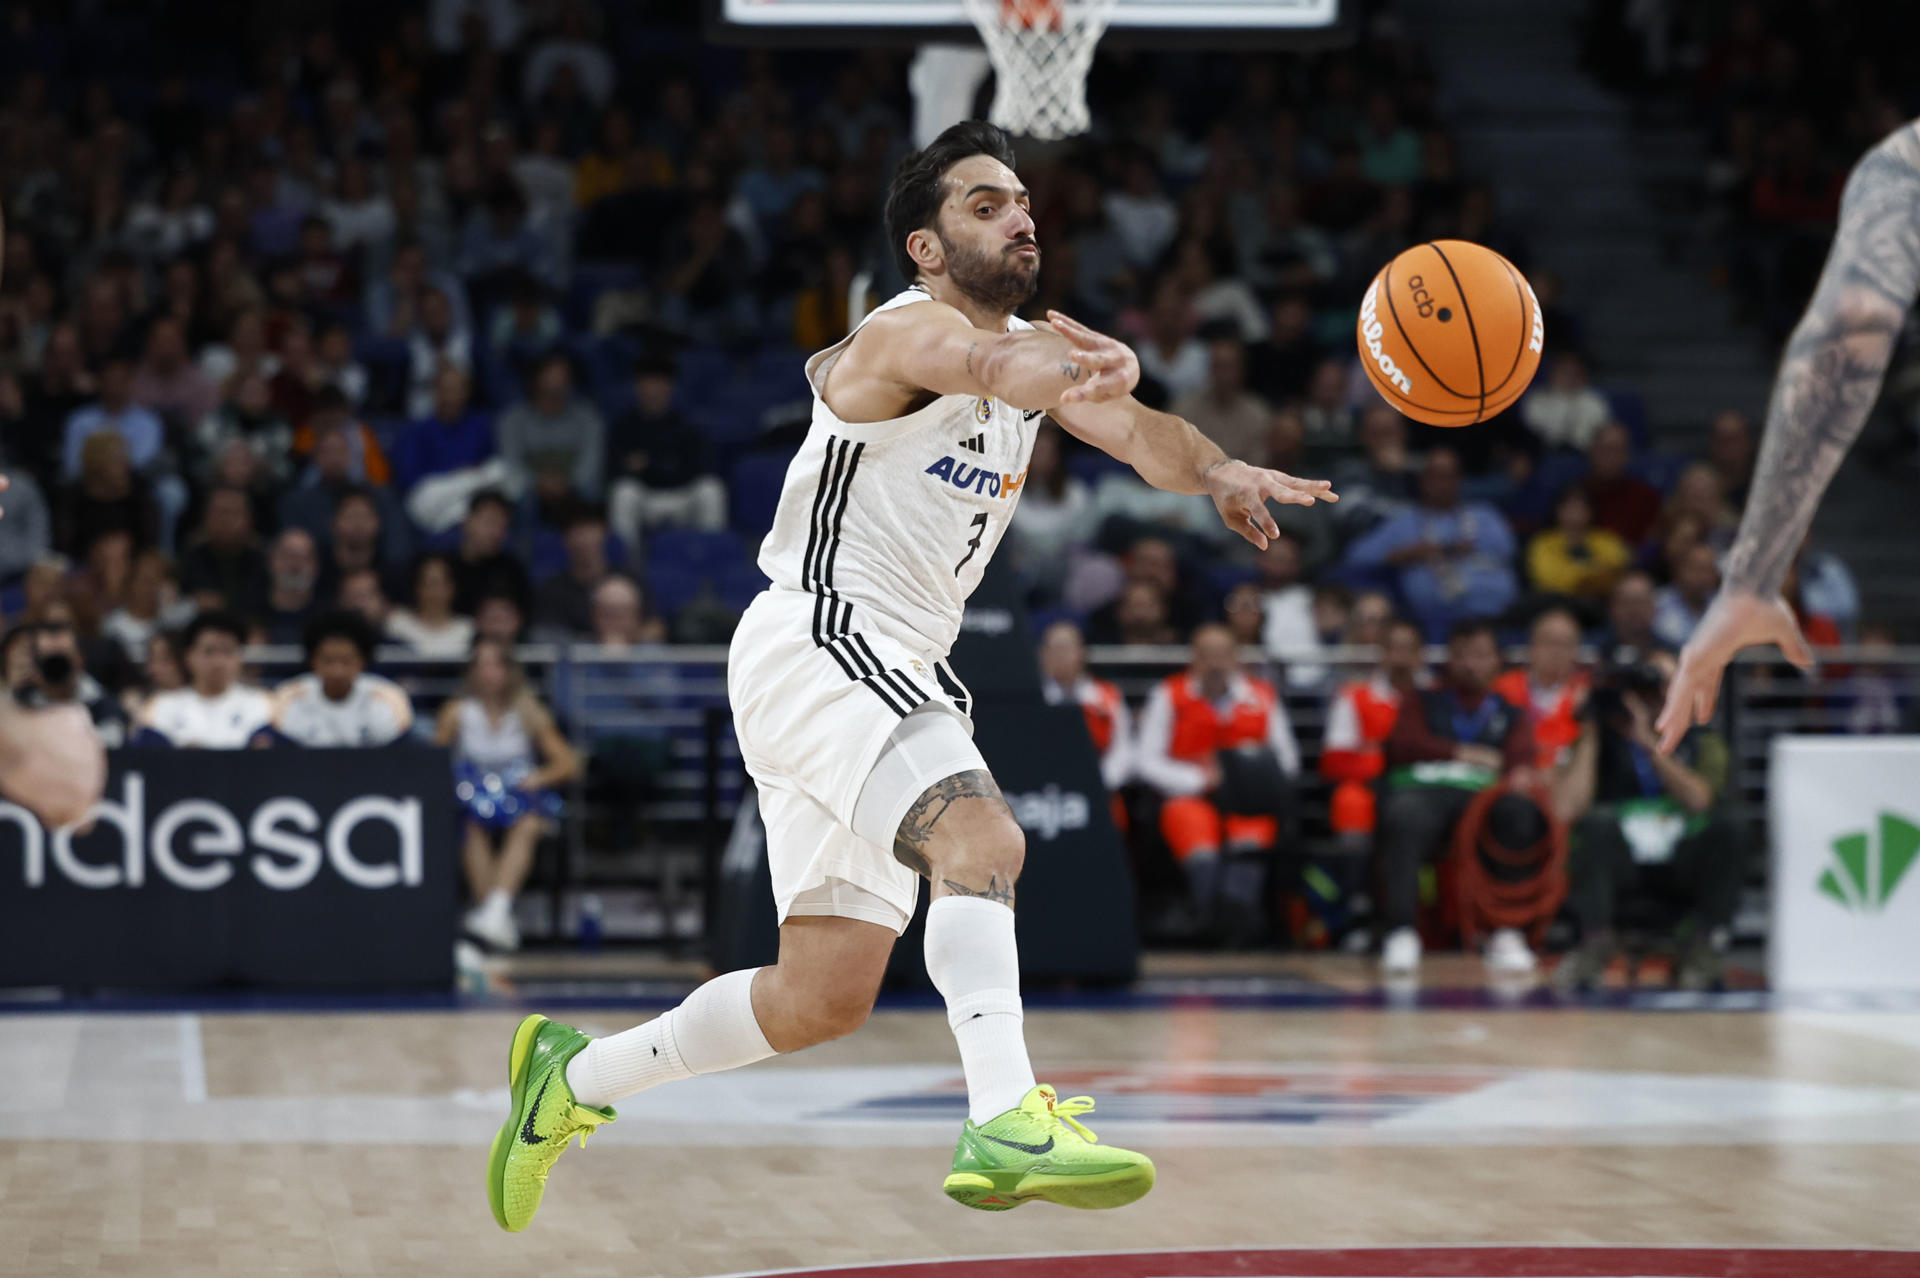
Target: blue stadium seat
705,373
590,279
670,588
1041,618
1630,410
1222,578
739,582
1659,469
755,490
707,552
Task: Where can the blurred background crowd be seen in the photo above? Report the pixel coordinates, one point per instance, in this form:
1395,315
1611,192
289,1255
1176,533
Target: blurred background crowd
488,323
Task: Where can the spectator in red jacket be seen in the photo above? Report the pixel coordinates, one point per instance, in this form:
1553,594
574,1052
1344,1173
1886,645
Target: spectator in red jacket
1358,721
1551,685
1216,743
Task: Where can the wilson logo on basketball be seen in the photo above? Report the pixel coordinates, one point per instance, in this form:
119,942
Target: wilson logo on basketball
1371,329
977,479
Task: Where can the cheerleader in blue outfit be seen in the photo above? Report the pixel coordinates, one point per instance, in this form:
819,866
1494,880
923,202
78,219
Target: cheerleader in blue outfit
509,759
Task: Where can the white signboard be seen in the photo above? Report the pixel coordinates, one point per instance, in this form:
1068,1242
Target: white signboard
1845,815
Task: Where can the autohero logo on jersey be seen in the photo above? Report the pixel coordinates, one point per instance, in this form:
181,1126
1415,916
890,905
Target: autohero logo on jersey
978,479
200,845
1050,812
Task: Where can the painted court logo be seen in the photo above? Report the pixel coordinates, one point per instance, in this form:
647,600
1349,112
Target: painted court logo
1866,870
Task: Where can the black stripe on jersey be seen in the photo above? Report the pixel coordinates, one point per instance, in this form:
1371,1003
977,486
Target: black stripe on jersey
900,693
898,681
832,549
832,615
830,465
880,690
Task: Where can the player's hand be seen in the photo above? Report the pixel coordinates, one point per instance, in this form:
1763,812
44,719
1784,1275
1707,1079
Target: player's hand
1241,492
1733,621
3,488
1109,368
52,763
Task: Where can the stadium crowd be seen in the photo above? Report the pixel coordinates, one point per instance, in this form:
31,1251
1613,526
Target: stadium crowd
488,324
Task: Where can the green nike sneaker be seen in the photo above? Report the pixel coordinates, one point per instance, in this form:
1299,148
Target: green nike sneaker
542,1119
1040,1151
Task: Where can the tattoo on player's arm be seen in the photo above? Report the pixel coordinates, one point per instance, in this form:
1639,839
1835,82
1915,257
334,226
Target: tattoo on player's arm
1831,371
916,828
994,891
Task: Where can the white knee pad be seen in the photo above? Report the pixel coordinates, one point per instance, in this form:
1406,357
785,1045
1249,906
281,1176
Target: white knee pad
930,745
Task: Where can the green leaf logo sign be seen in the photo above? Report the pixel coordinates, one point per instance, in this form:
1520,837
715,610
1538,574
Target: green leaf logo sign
1865,872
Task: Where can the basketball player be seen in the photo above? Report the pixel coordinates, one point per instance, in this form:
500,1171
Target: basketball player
1829,378
52,762
851,722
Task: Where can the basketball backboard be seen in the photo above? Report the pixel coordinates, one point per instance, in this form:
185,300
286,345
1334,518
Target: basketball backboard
862,21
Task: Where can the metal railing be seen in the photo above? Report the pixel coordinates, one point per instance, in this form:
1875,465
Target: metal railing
676,696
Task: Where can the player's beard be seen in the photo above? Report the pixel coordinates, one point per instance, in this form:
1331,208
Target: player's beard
992,278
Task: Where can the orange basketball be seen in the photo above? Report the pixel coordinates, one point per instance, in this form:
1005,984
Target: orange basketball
1450,333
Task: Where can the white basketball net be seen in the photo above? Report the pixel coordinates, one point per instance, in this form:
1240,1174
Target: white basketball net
1041,69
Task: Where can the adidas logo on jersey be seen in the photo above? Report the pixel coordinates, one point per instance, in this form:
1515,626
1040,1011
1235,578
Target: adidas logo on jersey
977,479
977,444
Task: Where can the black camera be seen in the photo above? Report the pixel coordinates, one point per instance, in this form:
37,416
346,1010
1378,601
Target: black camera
1629,673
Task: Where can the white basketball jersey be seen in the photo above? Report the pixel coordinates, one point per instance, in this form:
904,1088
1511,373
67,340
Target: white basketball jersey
374,712
226,722
897,519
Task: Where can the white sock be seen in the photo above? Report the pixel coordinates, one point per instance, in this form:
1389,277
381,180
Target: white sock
713,1030
498,904
975,964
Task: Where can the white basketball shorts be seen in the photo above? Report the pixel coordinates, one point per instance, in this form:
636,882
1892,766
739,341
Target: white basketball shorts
820,693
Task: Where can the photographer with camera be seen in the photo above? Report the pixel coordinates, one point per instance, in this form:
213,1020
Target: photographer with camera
1647,824
45,666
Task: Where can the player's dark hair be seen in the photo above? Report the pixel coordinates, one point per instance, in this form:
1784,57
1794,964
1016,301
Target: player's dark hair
919,183
339,623
215,621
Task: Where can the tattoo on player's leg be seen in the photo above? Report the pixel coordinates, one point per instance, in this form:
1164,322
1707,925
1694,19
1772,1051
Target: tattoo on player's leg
994,891
905,853
916,829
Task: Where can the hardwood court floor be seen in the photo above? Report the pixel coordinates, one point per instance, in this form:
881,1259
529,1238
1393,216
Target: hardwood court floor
310,1144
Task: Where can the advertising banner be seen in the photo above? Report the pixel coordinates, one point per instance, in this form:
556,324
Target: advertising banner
1845,816
267,868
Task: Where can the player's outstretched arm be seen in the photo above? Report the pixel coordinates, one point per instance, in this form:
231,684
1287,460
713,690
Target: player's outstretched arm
1829,377
931,346
1170,453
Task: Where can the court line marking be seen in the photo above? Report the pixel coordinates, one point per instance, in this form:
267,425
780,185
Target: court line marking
193,1060
1574,1248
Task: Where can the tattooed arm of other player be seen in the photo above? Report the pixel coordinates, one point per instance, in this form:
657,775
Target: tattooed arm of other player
1831,371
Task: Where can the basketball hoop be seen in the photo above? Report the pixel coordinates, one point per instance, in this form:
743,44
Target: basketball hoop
1041,52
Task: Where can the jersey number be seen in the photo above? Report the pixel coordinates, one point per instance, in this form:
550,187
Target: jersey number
979,526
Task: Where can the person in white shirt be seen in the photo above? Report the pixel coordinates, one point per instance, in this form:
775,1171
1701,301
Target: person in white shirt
337,702
431,627
215,711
